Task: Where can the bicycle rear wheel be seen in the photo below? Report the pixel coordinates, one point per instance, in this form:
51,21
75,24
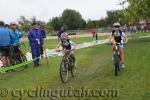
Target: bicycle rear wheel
64,73
21,59
73,70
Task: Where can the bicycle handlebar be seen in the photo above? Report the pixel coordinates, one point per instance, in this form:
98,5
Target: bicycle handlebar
110,43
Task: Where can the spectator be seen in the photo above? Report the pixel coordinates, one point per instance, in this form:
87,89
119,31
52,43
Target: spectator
36,41
43,35
94,33
6,39
60,32
142,28
18,36
6,26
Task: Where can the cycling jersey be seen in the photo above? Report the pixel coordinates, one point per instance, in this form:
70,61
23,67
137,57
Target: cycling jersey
118,36
67,45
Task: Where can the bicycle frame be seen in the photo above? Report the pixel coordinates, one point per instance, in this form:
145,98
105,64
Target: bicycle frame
116,57
116,54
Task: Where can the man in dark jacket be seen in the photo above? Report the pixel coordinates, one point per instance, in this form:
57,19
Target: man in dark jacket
36,41
44,37
61,31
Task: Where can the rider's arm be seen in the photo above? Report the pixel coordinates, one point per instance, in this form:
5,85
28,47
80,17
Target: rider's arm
125,37
111,38
58,45
73,45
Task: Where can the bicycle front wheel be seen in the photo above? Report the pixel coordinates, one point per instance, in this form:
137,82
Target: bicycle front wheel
64,73
116,69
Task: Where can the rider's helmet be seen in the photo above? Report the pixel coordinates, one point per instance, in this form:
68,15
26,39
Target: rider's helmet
116,24
64,36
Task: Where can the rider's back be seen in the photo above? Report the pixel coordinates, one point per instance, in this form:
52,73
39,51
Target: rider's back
6,36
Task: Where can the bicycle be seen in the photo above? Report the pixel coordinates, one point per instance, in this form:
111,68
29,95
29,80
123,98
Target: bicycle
67,65
17,58
116,58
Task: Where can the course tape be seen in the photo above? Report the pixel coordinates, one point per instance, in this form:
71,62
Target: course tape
4,69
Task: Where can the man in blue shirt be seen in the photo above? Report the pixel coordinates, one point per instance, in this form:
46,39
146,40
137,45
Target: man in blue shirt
36,41
6,39
18,36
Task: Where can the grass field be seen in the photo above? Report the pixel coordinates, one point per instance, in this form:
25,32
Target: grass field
51,43
95,71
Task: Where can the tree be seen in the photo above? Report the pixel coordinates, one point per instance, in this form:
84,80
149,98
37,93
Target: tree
82,24
55,23
49,27
24,24
71,18
137,9
91,24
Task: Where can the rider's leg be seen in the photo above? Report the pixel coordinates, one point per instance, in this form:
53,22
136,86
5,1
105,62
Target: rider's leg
8,61
121,51
5,56
4,60
113,50
72,55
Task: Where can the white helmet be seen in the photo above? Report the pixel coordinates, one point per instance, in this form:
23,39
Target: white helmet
116,24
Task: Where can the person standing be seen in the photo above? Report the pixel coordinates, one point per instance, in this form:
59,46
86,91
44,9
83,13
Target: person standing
36,41
60,32
94,33
43,35
6,39
18,36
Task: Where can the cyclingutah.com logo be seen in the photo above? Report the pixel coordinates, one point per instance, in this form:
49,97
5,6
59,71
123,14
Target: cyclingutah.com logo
69,92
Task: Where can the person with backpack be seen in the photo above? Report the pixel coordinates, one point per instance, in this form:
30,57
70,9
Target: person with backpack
6,39
117,36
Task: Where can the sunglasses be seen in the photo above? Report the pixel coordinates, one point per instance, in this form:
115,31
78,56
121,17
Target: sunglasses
117,26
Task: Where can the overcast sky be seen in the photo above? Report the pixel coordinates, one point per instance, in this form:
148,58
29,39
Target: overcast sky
10,10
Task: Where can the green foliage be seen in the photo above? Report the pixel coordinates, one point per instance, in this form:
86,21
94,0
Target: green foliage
91,24
71,18
55,23
137,9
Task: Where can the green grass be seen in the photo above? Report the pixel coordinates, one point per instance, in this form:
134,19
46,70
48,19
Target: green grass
95,70
139,34
51,43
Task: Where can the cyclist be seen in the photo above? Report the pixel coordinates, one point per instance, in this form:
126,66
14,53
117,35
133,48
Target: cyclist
67,45
117,36
6,39
18,36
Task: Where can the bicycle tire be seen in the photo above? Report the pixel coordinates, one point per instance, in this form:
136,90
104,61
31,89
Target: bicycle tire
116,63
21,60
73,70
64,74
